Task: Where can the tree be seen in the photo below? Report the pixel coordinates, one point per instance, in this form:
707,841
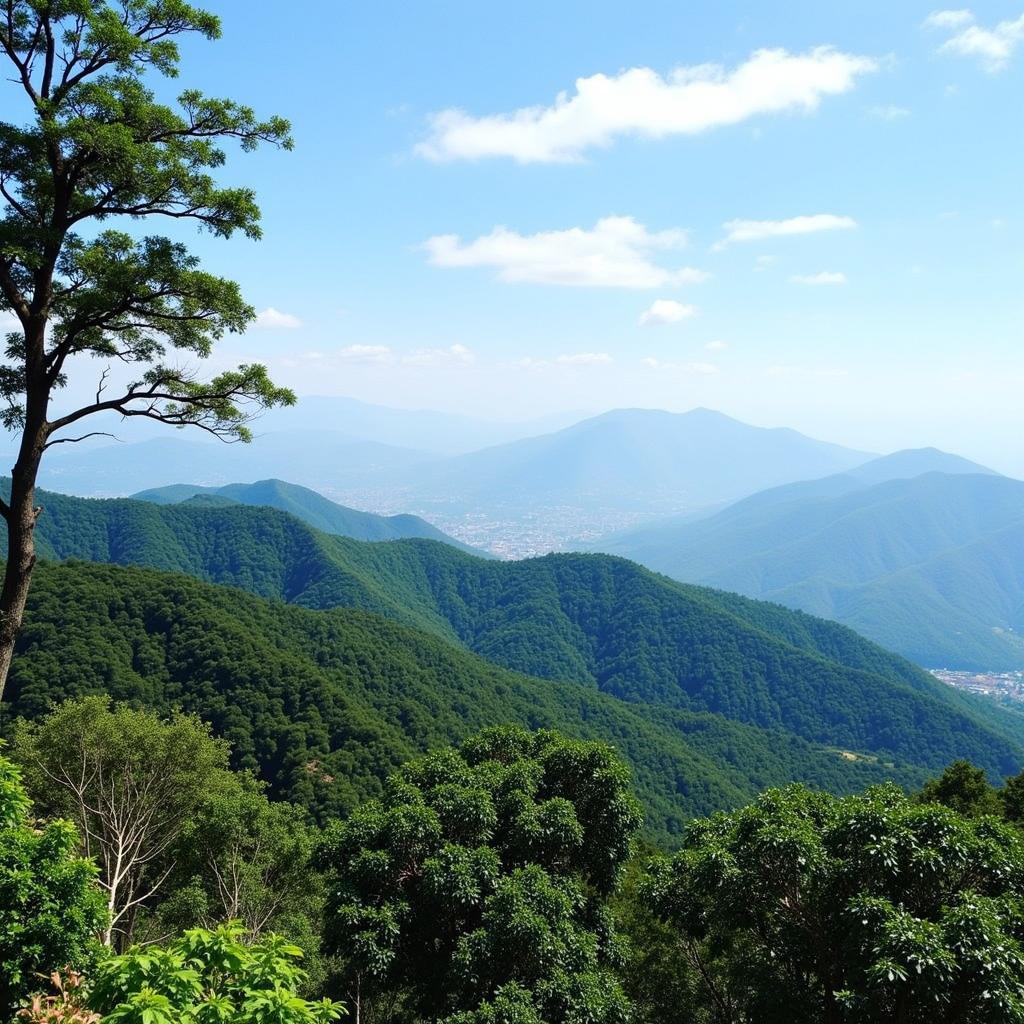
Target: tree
872,908
95,146
50,906
242,857
207,976
965,788
476,888
130,782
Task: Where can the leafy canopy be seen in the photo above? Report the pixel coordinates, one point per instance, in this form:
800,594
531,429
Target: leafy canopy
50,907
475,888
207,977
805,906
131,781
96,145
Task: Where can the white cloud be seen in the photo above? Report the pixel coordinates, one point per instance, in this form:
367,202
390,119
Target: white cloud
366,354
616,253
759,230
453,355
891,112
825,277
717,346
992,46
641,102
666,311
701,369
584,359
948,19
271,319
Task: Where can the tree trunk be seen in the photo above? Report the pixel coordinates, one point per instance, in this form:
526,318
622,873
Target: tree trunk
21,515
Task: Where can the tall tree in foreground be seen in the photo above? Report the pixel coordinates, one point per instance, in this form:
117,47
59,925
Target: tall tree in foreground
474,891
95,146
131,783
873,908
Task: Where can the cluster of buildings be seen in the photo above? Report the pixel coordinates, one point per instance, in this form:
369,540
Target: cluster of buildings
1001,685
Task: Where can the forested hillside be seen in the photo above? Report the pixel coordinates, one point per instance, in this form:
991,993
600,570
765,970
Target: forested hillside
601,622
324,704
310,507
931,566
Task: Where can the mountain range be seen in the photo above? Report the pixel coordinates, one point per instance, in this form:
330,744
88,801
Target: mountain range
921,551
587,629
307,505
527,496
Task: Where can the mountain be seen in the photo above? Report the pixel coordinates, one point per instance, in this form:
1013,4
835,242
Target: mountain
525,497
931,566
324,704
310,507
591,620
633,458
422,429
310,458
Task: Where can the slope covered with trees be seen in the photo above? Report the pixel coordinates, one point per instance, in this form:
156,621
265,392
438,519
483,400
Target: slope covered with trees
310,507
931,566
600,622
324,704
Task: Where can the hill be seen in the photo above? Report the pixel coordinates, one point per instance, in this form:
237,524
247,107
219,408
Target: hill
310,507
931,566
324,704
595,621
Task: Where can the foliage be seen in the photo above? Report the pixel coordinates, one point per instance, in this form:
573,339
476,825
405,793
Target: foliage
598,621
207,976
965,788
130,781
474,888
50,907
64,1005
325,705
96,144
867,908
241,857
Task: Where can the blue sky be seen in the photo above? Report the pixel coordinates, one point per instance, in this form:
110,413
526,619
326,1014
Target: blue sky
876,149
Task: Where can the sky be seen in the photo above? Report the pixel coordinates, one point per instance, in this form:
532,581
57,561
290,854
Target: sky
801,214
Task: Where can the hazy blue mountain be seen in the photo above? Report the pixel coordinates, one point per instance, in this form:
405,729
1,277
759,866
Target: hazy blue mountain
313,458
632,458
309,506
420,429
931,566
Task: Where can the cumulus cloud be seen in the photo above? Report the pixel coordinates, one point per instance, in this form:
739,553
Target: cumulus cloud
366,354
717,346
890,112
666,311
994,47
616,253
759,230
825,277
452,355
271,319
702,369
640,102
